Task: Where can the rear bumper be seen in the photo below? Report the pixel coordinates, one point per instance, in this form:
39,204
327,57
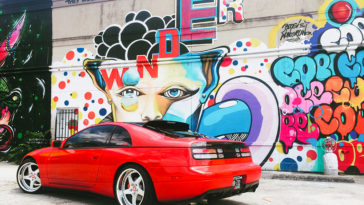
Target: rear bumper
230,191
206,181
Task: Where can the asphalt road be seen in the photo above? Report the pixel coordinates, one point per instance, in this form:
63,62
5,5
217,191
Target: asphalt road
270,191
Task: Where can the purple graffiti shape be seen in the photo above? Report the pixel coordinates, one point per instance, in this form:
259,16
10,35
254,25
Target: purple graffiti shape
263,106
253,103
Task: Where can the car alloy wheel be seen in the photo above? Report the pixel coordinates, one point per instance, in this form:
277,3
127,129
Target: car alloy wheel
28,177
134,187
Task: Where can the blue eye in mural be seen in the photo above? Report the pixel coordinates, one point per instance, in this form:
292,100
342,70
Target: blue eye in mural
174,93
178,93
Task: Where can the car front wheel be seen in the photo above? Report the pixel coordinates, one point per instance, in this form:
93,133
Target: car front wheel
134,187
28,177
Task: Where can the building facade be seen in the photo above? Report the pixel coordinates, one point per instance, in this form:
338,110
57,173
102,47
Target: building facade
280,75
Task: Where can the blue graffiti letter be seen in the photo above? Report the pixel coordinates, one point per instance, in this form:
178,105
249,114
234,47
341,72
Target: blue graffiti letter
283,72
348,68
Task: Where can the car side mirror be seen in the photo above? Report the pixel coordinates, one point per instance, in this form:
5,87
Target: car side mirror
56,143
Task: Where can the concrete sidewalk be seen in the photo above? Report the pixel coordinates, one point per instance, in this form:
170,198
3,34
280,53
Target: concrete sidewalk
303,176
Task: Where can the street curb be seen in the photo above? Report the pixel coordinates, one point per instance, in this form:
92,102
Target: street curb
306,177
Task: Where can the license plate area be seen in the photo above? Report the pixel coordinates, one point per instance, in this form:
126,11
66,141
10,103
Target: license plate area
238,181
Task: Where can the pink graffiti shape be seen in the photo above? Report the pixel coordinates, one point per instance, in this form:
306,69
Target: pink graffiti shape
288,132
319,96
294,100
189,14
11,40
288,98
296,128
305,131
305,98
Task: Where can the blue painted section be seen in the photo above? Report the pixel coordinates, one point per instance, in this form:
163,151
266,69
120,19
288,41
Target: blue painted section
227,117
312,141
361,138
131,77
289,164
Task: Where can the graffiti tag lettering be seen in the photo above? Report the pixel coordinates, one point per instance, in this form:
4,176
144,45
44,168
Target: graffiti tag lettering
295,30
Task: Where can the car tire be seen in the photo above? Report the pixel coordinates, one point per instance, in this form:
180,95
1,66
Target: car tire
133,186
28,177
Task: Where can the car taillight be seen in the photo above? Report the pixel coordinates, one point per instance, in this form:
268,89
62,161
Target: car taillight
200,153
243,152
219,150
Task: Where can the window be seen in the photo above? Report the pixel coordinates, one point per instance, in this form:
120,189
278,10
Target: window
92,137
66,122
120,138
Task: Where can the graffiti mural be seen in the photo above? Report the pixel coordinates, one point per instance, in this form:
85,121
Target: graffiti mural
10,99
24,47
324,90
165,76
282,97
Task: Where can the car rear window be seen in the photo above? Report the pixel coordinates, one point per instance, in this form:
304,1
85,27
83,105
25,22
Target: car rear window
120,138
179,134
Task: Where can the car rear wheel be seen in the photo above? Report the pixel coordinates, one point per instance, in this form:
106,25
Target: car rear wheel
134,187
28,177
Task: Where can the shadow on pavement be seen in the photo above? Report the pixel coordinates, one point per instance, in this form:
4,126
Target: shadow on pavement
81,197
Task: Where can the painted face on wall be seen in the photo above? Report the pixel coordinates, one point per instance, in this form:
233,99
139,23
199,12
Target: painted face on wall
9,102
147,98
176,94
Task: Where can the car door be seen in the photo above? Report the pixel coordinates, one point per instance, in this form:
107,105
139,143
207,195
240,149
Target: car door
77,162
117,152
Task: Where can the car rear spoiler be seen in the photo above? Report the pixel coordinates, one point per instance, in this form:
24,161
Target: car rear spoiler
165,125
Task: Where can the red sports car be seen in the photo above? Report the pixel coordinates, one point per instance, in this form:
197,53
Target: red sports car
159,161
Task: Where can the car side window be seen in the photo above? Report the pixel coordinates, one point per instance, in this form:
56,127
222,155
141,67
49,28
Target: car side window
92,137
120,138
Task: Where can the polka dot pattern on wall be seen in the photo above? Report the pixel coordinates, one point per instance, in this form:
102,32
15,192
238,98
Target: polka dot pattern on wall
299,158
102,111
70,55
62,85
238,64
88,95
68,89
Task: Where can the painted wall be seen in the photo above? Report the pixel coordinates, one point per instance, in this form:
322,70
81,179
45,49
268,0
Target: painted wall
25,56
281,79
